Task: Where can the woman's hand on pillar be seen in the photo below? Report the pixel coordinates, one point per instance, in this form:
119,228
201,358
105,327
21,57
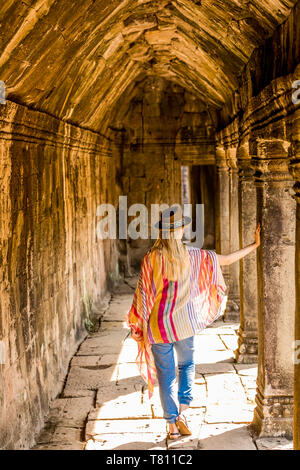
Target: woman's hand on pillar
257,235
239,254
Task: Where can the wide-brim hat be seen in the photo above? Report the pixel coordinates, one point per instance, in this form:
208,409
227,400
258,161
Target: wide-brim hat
172,218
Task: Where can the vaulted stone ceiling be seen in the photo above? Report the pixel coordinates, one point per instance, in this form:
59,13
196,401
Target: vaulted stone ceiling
74,59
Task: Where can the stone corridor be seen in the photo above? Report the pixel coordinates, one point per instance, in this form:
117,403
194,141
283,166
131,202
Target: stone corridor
104,404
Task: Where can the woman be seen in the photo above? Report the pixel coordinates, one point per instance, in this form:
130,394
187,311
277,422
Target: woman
180,291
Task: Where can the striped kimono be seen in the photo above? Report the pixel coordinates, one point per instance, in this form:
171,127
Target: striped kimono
167,311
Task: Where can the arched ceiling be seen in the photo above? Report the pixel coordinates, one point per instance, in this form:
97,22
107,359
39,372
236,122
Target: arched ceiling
74,59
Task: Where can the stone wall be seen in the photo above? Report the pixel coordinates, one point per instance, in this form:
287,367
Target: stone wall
53,270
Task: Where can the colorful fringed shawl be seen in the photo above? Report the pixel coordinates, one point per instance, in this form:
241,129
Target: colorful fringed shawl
167,311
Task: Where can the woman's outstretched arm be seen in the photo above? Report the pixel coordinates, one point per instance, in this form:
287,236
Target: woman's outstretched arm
236,255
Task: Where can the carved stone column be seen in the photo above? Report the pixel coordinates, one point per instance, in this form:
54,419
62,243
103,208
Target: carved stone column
233,309
222,209
247,333
273,415
295,170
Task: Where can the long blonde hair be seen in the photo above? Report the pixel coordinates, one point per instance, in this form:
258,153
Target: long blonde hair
175,256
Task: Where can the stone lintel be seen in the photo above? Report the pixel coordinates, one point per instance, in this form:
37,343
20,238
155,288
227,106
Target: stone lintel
272,148
244,161
271,161
266,149
245,173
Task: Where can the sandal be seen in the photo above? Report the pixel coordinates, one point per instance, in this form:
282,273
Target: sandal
182,425
173,435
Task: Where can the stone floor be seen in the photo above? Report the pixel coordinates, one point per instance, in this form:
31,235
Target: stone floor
105,405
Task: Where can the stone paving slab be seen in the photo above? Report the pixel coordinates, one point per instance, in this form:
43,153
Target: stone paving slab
129,353
127,370
157,411
116,426
110,332
78,393
224,388
246,369
230,341
88,378
132,281
215,368
94,361
74,445
225,436
199,379
125,288
207,343
98,345
138,441
213,357
274,443
70,412
123,410
126,407
248,381
200,396
114,390
234,413
60,436
108,325
219,326
119,306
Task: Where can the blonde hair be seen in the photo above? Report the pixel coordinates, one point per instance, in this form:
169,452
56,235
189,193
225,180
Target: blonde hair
175,256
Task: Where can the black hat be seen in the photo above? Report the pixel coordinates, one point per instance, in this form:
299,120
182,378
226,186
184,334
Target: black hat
172,219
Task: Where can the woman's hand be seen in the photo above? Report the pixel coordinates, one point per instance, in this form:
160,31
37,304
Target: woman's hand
257,235
239,254
136,336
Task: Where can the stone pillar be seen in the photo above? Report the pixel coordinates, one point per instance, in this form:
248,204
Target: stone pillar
233,309
297,320
295,170
247,333
222,209
273,415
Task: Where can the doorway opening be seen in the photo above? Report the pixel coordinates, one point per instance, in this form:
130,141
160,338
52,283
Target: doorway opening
198,186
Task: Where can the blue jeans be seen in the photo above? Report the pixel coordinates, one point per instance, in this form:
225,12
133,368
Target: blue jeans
163,354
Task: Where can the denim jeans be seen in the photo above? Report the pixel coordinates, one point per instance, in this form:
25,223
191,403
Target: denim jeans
163,354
